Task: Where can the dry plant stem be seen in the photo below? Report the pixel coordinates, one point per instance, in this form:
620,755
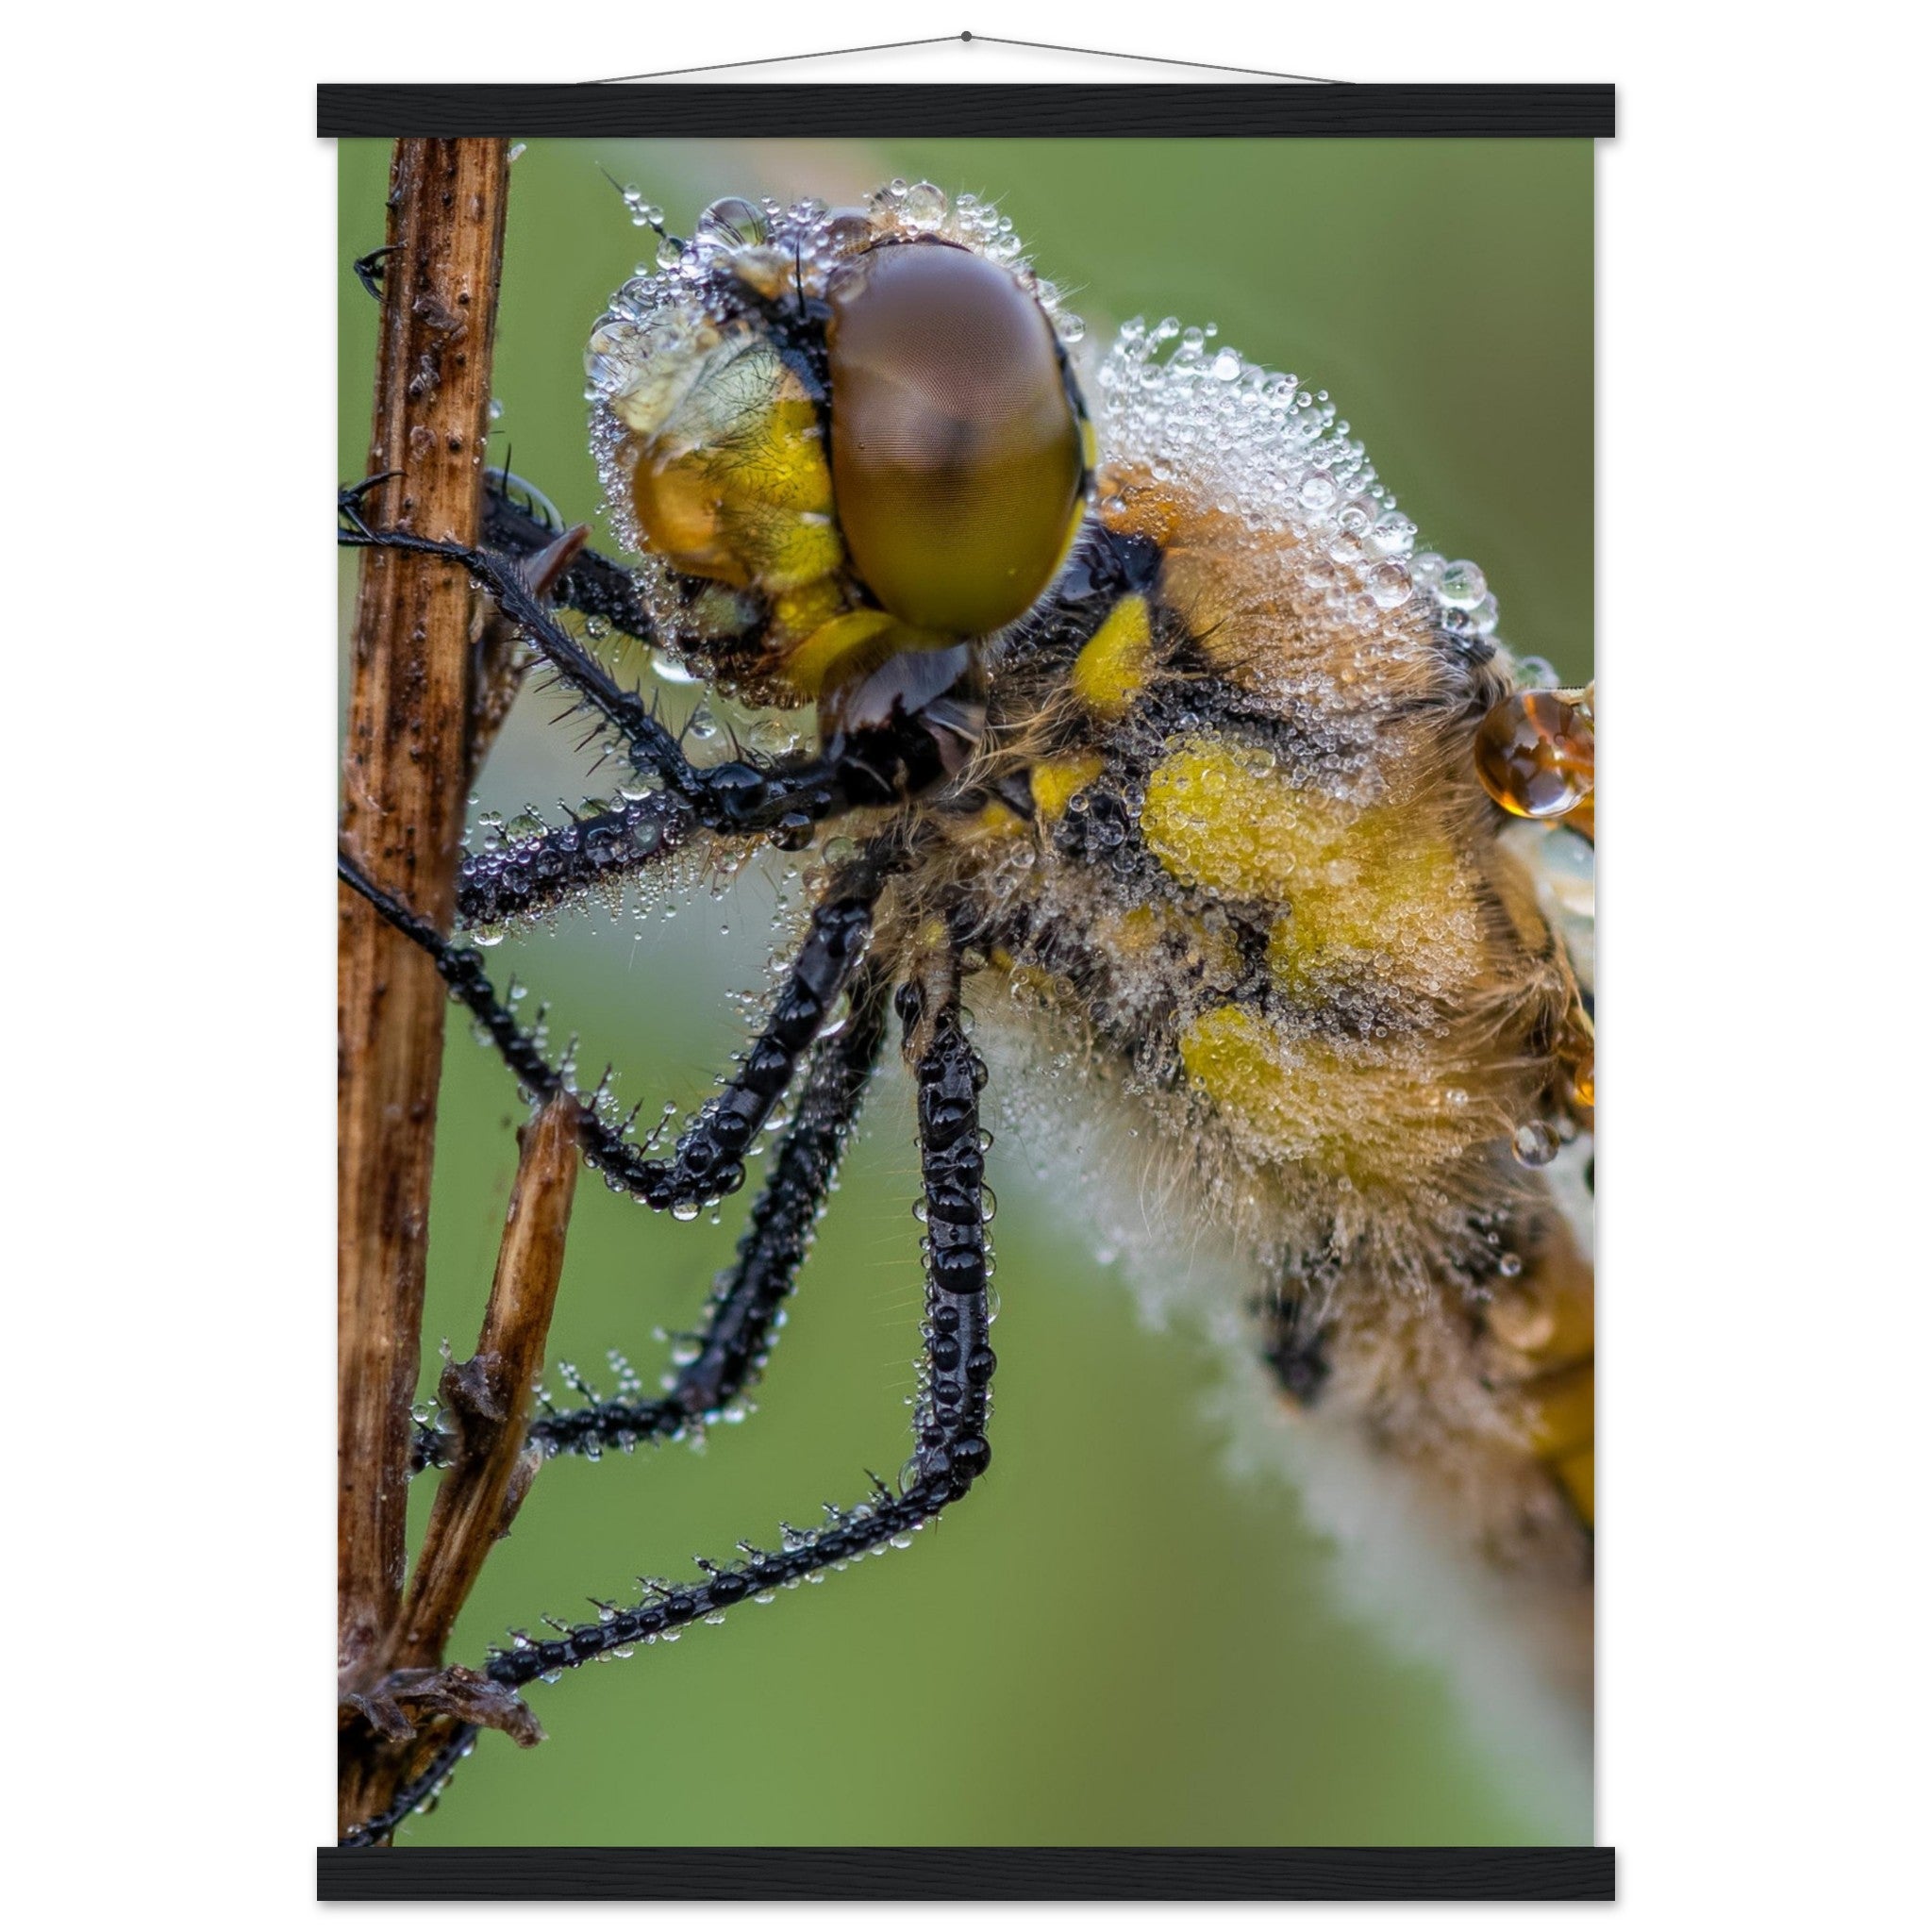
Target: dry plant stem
491,1396
405,780
397,1727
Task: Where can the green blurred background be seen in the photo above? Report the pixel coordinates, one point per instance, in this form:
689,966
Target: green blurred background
1133,1645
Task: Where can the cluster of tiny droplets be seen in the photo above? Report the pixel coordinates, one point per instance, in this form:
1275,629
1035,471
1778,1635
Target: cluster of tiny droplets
1183,408
808,242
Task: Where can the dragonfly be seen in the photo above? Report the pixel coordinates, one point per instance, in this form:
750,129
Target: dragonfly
1143,724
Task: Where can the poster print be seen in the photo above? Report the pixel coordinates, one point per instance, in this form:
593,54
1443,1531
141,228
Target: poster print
1113,619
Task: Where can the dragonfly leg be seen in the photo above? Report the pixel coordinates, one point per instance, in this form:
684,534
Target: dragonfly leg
708,1159
950,1450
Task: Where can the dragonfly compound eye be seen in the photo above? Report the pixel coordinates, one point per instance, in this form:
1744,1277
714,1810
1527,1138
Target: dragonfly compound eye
955,445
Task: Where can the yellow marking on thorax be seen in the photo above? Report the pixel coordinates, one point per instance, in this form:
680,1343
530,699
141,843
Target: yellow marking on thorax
1220,818
1056,780
1378,889
1393,896
1354,1109
1115,662
993,820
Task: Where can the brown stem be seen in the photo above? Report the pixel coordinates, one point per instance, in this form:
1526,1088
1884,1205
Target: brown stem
489,1396
405,778
398,1718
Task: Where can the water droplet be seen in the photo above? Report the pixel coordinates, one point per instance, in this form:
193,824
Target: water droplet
1462,586
1393,534
1389,586
1583,1082
671,670
1536,755
732,221
772,734
923,205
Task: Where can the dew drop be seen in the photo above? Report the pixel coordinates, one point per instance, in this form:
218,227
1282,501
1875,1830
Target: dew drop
923,205
1536,755
732,221
1389,586
1462,586
1583,1083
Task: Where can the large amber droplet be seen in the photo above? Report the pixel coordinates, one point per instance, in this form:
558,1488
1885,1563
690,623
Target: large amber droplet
1583,1082
1536,755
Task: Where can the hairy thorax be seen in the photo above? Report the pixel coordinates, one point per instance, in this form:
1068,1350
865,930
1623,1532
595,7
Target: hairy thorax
1230,853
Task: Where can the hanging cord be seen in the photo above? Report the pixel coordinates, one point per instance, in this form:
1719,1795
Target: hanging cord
960,40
